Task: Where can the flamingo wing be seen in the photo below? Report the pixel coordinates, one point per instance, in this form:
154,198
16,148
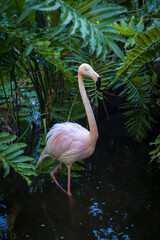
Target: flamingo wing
68,142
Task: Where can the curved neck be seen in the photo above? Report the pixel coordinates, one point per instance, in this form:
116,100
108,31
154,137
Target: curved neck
88,108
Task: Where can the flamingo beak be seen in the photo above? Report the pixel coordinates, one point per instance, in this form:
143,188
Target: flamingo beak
96,78
98,83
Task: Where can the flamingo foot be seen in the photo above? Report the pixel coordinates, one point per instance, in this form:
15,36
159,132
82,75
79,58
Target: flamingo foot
69,194
54,179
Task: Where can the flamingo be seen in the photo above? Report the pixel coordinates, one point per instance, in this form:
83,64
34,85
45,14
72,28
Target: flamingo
69,142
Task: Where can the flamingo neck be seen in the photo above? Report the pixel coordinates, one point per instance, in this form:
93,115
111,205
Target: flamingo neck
88,108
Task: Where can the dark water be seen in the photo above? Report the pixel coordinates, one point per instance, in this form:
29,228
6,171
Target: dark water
117,198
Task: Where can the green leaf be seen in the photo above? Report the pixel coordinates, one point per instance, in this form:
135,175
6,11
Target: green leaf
42,7
154,78
10,157
141,54
21,159
139,79
155,154
28,50
116,49
140,25
6,138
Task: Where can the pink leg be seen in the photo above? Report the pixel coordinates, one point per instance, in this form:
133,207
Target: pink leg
53,177
69,182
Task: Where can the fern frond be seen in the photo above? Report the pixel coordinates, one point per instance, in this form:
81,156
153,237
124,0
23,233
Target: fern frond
145,51
42,46
53,55
105,70
137,93
155,154
139,123
10,157
89,18
129,29
136,87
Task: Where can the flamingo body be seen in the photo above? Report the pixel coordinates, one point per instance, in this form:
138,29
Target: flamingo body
69,142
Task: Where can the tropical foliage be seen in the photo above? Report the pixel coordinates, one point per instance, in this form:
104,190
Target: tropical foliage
42,43
62,28
155,154
11,157
137,76
139,82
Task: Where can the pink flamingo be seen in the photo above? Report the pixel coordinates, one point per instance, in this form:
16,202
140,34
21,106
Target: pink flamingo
69,142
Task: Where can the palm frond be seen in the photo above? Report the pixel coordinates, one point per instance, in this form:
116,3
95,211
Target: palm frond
91,18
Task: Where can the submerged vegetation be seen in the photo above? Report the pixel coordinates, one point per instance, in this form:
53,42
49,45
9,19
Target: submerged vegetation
42,43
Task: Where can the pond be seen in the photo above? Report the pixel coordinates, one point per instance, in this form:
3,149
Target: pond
117,198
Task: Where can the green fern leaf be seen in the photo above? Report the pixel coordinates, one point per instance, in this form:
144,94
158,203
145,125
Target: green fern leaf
143,53
75,24
90,18
155,154
6,138
116,49
138,124
10,157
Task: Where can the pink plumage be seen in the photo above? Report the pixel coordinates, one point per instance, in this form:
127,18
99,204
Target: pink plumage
69,142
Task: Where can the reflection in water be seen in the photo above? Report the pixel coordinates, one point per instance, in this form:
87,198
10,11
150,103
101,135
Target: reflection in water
94,209
109,233
117,198
3,222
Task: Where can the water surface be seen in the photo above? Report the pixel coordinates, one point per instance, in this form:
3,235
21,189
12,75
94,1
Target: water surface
117,198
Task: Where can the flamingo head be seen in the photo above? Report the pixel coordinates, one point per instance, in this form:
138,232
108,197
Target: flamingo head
87,70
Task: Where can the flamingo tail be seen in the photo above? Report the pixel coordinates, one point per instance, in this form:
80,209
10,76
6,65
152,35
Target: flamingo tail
44,154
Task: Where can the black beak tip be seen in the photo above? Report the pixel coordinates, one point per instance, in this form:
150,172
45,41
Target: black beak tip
98,83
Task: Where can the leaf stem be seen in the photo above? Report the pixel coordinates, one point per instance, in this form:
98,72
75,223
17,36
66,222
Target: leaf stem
69,115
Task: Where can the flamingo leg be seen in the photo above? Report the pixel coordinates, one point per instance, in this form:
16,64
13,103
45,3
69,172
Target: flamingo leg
69,182
54,178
